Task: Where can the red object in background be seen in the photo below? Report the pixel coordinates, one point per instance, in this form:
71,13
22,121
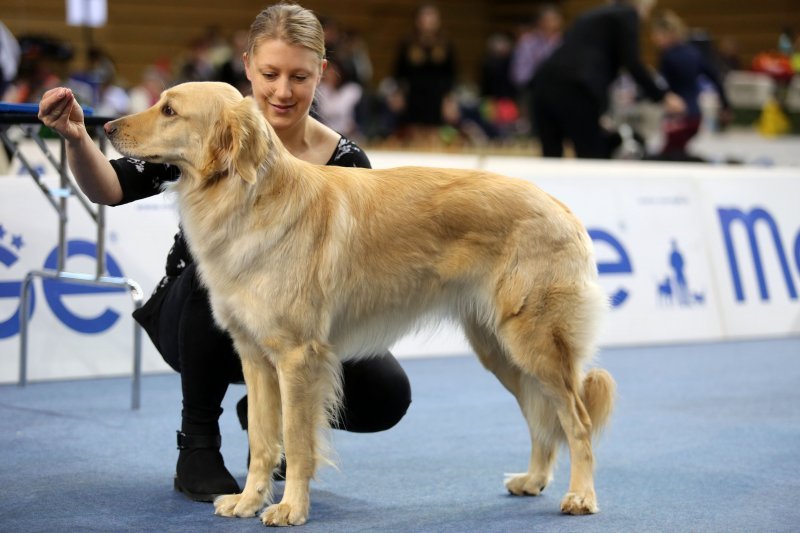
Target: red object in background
775,65
678,131
506,111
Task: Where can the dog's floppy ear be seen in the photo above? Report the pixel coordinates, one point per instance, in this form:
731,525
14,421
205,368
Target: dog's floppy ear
250,140
241,140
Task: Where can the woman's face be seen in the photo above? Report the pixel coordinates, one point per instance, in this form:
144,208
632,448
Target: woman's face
662,39
284,78
428,20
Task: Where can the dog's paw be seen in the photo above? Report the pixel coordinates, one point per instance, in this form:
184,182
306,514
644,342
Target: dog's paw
235,505
579,503
284,514
526,484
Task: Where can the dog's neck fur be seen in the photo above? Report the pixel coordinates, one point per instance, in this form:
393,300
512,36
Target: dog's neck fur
285,187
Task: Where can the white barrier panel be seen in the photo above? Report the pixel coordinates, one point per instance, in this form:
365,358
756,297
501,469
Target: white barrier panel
685,252
76,330
754,221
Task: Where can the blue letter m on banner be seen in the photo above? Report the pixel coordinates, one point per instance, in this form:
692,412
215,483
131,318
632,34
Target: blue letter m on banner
726,218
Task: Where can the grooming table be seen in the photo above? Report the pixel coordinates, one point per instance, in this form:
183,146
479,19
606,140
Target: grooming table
24,117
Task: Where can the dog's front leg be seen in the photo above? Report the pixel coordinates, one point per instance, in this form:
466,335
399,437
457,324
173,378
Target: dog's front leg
309,377
264,430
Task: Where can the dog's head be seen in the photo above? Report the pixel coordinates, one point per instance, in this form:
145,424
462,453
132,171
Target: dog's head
207,129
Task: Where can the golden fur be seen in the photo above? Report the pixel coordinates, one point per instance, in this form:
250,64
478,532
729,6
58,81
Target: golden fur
309,265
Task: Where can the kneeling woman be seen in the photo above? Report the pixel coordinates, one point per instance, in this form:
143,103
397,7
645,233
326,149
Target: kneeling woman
285,59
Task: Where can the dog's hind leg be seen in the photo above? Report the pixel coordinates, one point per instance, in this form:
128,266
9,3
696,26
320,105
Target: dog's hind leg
491,355
310,383
264,435
549,342
543,426
546,435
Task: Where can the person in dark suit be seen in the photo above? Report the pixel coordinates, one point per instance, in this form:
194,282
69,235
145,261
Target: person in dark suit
570,89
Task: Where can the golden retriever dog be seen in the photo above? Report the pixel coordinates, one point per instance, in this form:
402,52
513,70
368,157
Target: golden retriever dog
307,266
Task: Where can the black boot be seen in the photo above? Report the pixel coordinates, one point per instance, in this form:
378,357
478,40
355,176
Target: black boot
279,474
200,472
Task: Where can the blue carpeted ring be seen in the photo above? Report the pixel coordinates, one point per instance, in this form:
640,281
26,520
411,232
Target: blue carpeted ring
705,438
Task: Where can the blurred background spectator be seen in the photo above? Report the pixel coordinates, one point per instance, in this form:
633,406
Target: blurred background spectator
349,81
231,70
686,70
349,50
9,58
109,98
535,43
196,64
498,107
425,71
338,97
155,79
495,79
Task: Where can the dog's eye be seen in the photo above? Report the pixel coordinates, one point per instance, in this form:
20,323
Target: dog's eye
168,111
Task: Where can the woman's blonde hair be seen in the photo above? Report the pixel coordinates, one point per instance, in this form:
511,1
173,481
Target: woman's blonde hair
669,22
290,23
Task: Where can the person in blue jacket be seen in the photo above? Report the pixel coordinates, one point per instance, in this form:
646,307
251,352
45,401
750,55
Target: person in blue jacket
685,70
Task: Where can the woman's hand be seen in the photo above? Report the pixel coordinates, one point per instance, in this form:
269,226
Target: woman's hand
674,104
96,177
60,111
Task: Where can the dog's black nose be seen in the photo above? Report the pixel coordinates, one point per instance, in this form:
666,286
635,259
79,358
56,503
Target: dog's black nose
109,128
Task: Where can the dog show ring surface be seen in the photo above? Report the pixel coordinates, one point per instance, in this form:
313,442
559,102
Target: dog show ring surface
704,438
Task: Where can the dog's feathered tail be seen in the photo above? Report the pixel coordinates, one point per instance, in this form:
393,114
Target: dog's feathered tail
598,395
598,392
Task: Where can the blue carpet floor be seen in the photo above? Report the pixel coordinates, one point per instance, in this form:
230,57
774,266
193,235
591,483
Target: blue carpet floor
704,438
